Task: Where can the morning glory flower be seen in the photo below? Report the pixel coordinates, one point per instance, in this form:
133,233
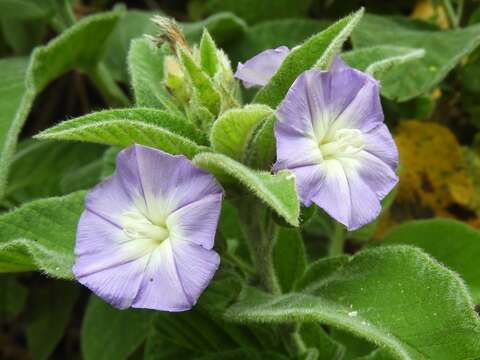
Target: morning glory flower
258,70
330,134
145,238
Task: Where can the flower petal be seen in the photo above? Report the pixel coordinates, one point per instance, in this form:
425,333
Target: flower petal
378,175
309,181
258,70
379,142
197,221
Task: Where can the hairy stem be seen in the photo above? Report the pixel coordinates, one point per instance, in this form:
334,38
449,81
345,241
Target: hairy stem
337,240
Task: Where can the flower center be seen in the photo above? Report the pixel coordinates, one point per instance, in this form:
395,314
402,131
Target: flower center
341,143
138,226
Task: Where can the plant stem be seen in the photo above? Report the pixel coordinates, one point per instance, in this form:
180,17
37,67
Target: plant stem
107,86
337,240
452,17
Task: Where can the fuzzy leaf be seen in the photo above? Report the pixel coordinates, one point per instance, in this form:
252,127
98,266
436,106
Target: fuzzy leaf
277,191
263,146
443,50
44,244
317,51
108,333
203,86
74,48
289,257
146,65
397,297
124,127
451,242
208,54
377,60
232,132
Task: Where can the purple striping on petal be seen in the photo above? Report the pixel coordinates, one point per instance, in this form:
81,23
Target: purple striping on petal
330,134
258,70
146,236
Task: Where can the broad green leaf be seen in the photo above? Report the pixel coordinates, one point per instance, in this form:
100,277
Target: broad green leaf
396,297
317,51
233,131
48,316
204,89
25,9
40,235
74,48
277,191
146,67
47,168
272,34
13,296
443,50
123,127
289,258
453,243
108,333
377,60
208,54
224,28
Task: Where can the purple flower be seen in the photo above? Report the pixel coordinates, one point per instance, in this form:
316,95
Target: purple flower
330,133
145,238
258,70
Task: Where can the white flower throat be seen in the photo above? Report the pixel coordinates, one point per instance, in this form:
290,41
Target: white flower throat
341,143
138,227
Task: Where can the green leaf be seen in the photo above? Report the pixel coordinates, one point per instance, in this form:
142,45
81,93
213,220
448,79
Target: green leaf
289,258
48,316
377,60
224,28
74,48
317,51
13,296
45,244
45,169
208,54
123,127
277,191
263,148
451,242
108,333
443,50
314,336
272,34
233,131
203,87
396,297
25,9
146,66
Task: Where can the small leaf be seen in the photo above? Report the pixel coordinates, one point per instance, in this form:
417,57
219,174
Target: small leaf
277,191
124,127
262,149
317,51
396,297
204,89
289,257
48,316
453,243
377,60
108,333
44,244
232,132
146,66
208,54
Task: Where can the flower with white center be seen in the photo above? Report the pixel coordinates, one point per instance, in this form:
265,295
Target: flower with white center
330,133
146,236
258,70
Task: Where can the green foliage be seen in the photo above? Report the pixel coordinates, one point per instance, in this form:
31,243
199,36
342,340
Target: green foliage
453,243
397,297
108,333
443,50
208,54
232,132
44,244
48,316
277,191
146,66
317,51
13,296
72,49
289,258
25,9
123,127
